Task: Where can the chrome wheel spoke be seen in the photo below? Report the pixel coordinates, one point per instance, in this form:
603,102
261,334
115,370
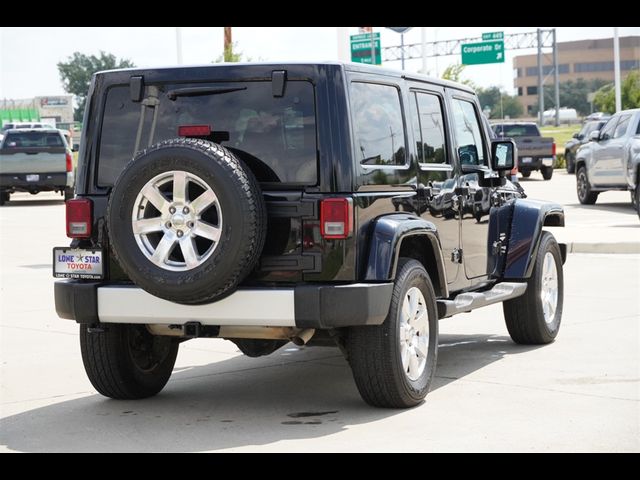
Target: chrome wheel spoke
404,356
189,252
204,201
203,229
151,193
147,225
179,187
422,346
164,248
414,365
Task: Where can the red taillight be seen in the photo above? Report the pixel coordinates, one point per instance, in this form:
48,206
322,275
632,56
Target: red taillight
69,162
553,149
194,130
79,218
336,218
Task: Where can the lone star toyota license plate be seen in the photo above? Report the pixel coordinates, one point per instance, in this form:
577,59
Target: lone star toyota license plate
77,263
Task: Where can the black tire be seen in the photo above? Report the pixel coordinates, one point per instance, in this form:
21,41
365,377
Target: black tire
637,194
68,193
375,354
243,231
4,198
524,315
525,173
570,162
585,195
547,172
126,362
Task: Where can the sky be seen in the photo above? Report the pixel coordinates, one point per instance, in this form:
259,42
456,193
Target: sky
28,55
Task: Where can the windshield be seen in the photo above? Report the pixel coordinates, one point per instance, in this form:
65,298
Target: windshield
516,130
274,135
33,139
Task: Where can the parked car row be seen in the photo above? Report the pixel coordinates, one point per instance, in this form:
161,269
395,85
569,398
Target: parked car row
611,159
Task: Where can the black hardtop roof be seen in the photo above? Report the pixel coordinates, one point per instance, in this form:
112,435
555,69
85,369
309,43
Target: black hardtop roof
261,68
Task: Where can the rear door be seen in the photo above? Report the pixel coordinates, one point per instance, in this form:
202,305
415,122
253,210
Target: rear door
602,160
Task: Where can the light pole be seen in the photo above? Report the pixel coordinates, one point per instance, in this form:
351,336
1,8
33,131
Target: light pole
616,68
179,44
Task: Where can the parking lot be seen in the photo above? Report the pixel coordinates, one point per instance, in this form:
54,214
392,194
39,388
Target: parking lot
581,393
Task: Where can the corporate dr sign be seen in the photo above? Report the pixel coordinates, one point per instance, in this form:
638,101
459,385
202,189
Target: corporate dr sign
483,52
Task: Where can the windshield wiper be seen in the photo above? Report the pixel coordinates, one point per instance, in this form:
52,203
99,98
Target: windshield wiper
200,91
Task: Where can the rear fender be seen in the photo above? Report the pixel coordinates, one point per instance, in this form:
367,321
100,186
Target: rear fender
529,216
387,238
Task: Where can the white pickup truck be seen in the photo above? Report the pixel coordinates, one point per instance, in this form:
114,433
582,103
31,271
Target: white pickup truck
35,160
611,160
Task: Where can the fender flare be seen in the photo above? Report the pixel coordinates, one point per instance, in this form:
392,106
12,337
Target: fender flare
388,233
528,218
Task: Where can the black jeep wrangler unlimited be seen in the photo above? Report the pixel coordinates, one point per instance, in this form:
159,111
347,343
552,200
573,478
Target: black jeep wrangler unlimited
267,203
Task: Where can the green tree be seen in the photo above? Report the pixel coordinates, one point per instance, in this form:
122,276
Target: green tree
231,54
500,103
573,94
605,98
77,71
454,73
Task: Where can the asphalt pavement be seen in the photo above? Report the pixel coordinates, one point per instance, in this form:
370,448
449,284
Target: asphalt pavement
581,393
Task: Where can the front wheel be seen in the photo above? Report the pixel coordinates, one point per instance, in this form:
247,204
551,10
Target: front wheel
547,172
570,161
534,318
4,198
585,195
394,363
637,194
126,362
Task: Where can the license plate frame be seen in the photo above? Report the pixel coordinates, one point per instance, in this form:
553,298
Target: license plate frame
33,177
78,263
527,159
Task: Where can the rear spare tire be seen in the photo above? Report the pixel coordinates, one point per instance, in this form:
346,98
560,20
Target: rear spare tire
186,220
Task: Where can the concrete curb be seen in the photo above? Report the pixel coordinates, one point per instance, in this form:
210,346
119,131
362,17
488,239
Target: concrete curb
603,247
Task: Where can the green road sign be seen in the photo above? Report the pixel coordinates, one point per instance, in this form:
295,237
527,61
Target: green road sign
493,36
361,48
483,52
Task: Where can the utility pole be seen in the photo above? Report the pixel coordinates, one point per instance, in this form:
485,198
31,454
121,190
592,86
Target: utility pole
402,48
556,78
423,34
616,68
179,44
540,92
228,45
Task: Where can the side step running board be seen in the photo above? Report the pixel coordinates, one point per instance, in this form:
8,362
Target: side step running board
465,302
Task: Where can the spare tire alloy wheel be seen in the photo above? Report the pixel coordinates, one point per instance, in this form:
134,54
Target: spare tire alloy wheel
160,226
187,221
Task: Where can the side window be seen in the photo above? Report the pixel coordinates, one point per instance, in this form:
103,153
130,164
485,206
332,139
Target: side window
621,128
377,118
608,129
428,128
468,133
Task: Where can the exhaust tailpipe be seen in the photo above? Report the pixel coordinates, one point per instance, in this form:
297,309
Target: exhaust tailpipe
302,337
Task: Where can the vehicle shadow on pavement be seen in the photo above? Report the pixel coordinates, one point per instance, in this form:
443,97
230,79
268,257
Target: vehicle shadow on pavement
239,402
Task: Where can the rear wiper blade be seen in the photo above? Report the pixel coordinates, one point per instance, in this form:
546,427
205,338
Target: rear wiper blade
199,91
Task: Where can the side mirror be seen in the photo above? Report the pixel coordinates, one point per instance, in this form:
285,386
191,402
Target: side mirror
503,154
594,136
576,136
76,147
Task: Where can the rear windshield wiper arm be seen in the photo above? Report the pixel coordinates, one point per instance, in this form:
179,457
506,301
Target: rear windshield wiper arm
199,91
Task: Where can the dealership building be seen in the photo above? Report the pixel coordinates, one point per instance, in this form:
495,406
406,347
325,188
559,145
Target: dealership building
586,59
56,110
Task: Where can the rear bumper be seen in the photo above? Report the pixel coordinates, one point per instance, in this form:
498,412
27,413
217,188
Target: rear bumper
306,306
536,162
47,181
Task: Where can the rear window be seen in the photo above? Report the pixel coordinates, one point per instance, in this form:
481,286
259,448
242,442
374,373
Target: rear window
517,131
274,136
33,139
